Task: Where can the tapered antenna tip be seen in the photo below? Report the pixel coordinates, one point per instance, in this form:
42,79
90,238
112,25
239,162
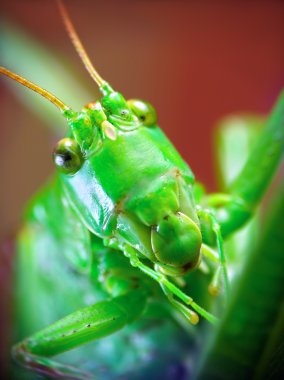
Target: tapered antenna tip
79,46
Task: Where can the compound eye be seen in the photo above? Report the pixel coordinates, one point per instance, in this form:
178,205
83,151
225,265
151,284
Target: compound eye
67,156
145,112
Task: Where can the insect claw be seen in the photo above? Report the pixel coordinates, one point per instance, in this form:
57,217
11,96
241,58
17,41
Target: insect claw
214,287
189,314
194,318
213,290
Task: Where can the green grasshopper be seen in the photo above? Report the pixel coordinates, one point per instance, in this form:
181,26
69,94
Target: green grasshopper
135,215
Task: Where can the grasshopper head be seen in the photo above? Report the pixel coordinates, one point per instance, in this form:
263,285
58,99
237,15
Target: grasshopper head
124,178
128,183
98,121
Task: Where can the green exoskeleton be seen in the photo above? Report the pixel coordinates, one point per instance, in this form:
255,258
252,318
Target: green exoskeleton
124,198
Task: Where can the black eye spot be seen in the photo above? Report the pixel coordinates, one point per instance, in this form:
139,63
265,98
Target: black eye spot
64,158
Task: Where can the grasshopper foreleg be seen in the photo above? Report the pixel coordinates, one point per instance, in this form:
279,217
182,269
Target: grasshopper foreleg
170,289
221,273
84,325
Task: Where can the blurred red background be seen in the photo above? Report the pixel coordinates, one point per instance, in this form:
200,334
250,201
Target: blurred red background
194,61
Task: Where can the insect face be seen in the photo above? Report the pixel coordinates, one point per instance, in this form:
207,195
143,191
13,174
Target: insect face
133,187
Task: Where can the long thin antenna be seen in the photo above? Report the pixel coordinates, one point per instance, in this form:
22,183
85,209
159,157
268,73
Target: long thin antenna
78,45
47,95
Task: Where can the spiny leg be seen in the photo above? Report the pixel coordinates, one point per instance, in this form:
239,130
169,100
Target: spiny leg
221,272
84,325
233,145
233,209
169,288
